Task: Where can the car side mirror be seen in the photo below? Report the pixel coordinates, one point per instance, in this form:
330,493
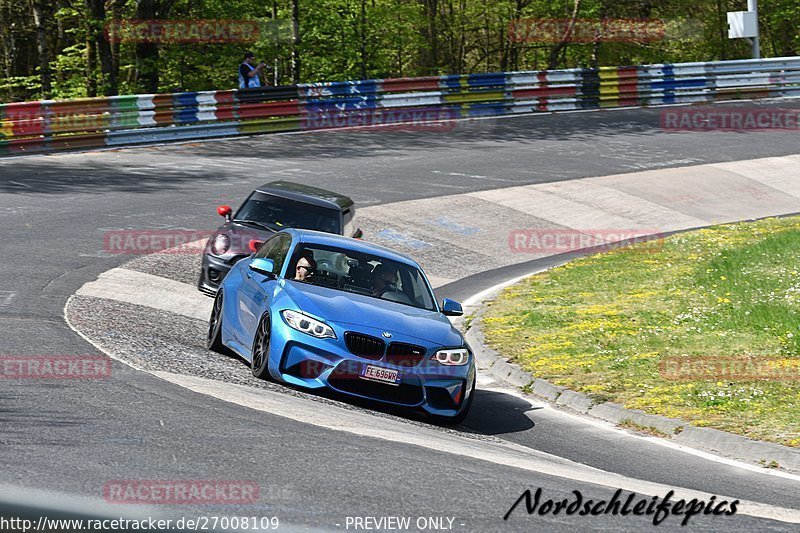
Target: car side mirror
254,245
225,211
451,308
263,266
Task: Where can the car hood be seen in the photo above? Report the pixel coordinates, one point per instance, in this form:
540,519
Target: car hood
241,235
355,309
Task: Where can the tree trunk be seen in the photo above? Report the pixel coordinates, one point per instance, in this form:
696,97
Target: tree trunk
295,41
40,18
96,17
556,51
722,28
116,15
147,53
91,67
7,37
429,57
363,39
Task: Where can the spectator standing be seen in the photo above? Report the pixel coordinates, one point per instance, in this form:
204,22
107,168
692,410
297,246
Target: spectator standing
249,75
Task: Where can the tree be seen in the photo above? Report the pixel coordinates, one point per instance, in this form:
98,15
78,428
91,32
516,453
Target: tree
59,48
99,46
41,16
147,53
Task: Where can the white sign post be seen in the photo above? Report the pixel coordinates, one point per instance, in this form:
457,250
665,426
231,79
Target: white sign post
744,25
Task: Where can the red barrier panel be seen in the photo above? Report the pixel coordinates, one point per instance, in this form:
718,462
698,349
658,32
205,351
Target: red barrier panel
277,109
225,106
394,85
628,86
163,108
26,118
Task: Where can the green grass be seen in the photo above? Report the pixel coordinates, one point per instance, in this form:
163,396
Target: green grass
603,324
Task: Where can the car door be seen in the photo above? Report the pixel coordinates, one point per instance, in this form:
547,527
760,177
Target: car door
256,290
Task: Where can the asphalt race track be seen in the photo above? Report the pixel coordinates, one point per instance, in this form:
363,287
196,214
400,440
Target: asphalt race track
73,437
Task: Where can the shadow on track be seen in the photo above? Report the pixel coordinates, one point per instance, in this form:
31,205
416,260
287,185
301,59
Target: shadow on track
497,413
493,412
160,168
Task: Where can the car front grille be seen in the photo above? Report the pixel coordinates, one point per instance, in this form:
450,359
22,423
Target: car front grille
345,378
364,345
402,354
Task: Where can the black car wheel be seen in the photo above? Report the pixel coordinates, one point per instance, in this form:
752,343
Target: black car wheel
260,360
214,339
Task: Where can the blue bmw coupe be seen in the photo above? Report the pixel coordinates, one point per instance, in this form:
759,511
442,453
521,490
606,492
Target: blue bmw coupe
317,310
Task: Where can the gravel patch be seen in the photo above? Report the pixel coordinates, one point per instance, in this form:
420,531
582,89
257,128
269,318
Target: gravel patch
183,267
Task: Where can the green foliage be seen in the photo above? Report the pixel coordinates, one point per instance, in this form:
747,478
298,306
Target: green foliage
69,71
351,39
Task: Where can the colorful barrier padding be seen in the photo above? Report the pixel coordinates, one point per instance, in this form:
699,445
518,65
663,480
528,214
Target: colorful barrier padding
30,127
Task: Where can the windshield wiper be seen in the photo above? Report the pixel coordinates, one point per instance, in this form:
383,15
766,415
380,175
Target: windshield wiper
254,223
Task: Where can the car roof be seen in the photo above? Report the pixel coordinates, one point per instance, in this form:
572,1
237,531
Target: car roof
307,194
306,236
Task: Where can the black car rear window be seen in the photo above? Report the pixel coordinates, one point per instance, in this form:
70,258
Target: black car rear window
280,213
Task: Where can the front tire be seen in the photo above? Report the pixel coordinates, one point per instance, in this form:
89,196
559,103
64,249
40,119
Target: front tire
259,364
214,338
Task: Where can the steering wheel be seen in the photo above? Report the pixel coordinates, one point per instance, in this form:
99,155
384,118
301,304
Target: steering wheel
397,296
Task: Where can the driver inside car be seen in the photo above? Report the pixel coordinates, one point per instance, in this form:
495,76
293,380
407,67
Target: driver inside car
305,269
384,279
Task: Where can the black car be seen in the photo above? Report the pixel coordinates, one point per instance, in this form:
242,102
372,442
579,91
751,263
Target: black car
269,209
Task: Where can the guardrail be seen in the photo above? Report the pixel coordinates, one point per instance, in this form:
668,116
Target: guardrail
49,125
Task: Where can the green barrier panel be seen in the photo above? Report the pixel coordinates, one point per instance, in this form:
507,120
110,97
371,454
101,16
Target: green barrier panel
270,125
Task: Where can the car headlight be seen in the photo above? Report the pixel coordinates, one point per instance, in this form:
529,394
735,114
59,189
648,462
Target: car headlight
220,244
456,357
308,325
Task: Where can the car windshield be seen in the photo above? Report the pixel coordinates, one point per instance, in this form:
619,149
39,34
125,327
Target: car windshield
366,274
280,213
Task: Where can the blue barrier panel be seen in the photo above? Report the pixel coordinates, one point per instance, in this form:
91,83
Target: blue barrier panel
486,110
492,79
590,89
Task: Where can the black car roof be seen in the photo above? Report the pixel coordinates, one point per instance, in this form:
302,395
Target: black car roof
307,194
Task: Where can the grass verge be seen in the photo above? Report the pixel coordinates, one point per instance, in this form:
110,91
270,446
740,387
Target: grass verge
704,327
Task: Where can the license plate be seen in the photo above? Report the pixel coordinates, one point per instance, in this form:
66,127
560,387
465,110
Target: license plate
384,375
